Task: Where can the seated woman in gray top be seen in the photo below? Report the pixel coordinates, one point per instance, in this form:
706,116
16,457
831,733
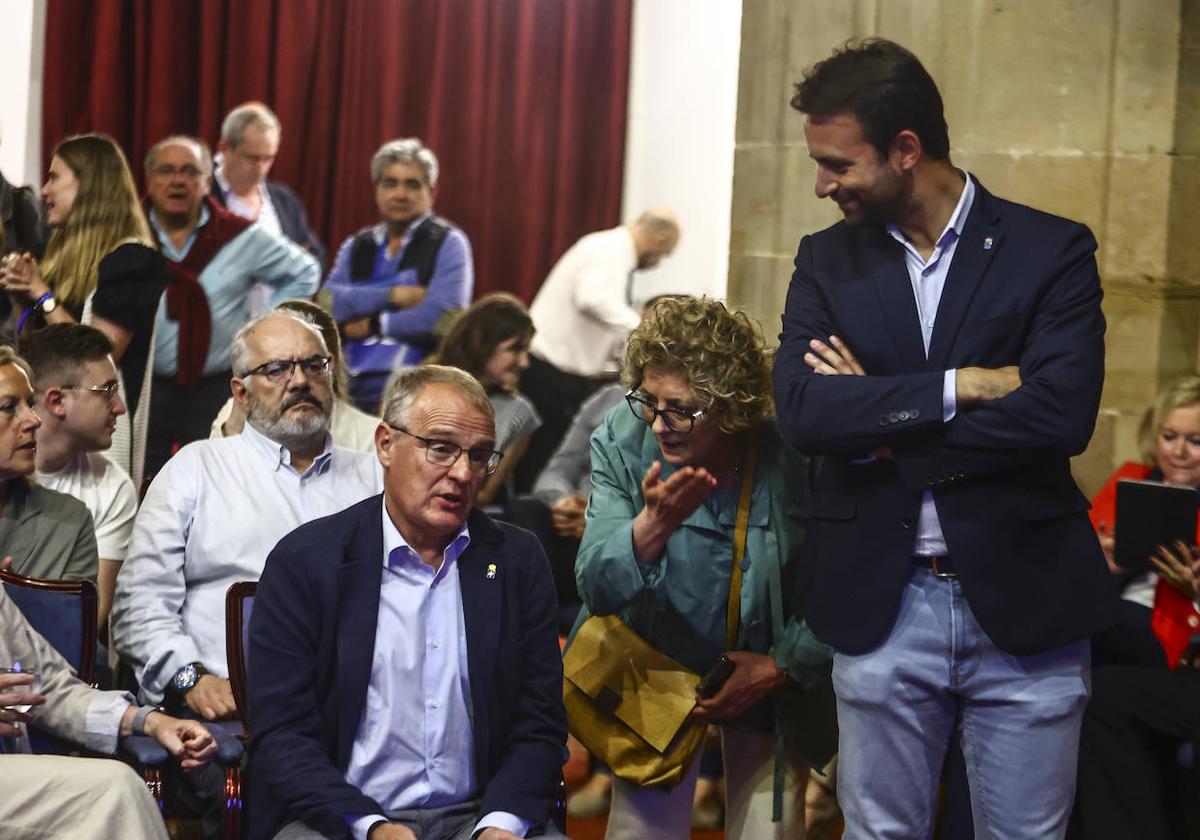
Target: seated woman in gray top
490,341
47,534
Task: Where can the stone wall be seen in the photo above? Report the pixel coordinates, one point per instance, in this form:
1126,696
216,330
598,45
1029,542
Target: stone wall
1085,108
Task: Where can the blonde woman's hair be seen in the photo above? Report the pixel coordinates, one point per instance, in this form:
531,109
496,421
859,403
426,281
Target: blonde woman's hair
719,353
105,213
8,356
1180,394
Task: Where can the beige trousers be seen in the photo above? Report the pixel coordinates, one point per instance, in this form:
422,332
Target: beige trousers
47,796
666,813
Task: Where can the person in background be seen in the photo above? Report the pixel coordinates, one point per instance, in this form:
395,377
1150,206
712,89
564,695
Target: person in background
250,136
102,268
22,229
391,284
657,551
75,388
64,796
350,427
215,259
583,313
490,341
44,533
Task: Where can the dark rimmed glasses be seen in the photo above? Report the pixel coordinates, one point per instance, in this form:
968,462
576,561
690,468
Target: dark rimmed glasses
444,453
280,371
676,419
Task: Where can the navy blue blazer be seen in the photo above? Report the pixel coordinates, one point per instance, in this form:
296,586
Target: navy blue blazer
1022,290
292,218
312,638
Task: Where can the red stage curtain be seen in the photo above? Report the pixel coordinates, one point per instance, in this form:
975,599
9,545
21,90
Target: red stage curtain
522,100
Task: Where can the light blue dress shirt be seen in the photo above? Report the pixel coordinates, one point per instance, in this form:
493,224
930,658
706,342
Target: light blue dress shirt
253,256
414,746
209,519
928,278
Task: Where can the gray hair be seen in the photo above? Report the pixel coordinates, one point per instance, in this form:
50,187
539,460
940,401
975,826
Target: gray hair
206,159
405,150
406,384
233,129
239,348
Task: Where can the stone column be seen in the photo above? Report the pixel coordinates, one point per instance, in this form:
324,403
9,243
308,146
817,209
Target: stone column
1090,110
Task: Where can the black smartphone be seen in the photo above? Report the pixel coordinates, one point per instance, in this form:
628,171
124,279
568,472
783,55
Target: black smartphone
711,682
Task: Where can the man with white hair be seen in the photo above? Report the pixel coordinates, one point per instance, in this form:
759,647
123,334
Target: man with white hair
215,259
219,506
249,142
391,283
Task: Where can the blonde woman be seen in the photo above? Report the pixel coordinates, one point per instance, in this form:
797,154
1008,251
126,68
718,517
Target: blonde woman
100,268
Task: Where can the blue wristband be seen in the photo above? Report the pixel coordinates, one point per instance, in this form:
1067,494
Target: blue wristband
37,304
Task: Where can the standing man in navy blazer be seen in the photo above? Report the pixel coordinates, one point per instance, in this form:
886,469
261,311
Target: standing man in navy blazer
404,672
944,350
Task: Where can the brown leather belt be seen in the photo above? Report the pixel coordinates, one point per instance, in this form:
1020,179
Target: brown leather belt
940,564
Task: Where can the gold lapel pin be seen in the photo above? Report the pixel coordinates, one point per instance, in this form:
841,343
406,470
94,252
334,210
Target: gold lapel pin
987,243
491,571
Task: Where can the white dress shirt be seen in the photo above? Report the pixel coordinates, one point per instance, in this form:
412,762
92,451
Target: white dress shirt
928,278
580,313
414,746
210,518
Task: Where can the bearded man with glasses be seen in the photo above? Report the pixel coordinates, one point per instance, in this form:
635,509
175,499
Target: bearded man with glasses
217,509
418,691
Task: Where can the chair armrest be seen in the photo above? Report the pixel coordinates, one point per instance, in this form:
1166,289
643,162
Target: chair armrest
229,745
145,750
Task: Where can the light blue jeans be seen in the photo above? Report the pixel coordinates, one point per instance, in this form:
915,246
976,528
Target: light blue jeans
898,707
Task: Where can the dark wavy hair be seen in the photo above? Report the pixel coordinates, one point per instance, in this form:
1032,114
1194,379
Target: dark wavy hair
480,329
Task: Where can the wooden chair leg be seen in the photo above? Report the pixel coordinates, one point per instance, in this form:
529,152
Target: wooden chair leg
154,783
233,803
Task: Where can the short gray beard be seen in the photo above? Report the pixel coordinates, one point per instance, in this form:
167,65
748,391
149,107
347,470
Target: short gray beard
307,432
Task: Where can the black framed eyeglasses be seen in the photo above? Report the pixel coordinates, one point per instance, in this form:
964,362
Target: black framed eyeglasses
676,419
279,371
109,389
444,453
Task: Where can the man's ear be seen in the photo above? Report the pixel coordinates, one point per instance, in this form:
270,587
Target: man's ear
906,150
383,444
53,402
241,395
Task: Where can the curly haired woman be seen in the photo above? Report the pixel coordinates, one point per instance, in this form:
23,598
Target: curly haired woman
658,546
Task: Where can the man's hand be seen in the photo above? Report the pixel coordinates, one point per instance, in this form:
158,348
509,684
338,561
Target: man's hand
567,515
187,740
11,694
975,384
494,833
1179,568
211,698
755,676
833,359
357,329
390,831
406,297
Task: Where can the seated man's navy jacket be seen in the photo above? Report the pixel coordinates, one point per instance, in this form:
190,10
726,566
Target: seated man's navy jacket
312,637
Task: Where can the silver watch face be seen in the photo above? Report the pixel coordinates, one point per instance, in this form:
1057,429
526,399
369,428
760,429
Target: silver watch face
49,305
185,678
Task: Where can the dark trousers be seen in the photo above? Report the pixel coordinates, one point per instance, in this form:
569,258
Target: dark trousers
556,395
180,414
1128,770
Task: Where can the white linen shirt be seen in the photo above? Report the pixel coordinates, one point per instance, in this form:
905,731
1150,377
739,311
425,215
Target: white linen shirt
210,518
580,313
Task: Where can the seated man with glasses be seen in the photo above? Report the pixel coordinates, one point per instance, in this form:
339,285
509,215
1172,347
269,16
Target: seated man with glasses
218,507
407,680
76,396
216,259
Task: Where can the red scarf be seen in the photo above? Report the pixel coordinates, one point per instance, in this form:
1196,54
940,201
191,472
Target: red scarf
186,300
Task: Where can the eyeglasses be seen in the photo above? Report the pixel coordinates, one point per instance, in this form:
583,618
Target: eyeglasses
443,453
108,389
165,170
280,371
646,411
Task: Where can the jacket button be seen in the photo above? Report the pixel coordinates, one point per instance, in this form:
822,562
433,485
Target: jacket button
883,421
893,417
907,523
903,415
914,413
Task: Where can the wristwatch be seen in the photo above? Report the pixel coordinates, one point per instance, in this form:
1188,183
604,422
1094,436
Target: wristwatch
185,678
48,305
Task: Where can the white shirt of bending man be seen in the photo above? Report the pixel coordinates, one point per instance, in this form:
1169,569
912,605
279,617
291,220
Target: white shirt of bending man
219,506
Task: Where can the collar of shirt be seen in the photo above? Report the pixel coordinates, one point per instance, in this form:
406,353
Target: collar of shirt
398,555
279,456
232,202
168,249
380,232
954,227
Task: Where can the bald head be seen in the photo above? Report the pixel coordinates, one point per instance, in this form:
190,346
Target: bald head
655,235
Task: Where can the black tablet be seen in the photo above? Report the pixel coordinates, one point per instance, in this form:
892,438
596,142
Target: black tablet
1150,514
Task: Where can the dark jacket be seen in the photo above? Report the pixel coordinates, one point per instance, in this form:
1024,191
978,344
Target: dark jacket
292,218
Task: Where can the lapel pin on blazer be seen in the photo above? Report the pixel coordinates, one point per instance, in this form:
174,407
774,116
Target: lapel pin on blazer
491,571
987,243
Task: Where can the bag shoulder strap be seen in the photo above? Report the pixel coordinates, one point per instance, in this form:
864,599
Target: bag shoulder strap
733,610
